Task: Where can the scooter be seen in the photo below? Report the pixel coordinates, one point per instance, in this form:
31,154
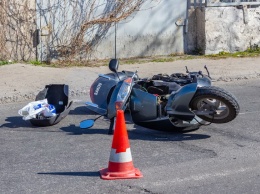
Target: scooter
178,103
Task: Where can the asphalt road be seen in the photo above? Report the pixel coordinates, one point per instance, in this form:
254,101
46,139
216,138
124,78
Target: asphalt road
66,159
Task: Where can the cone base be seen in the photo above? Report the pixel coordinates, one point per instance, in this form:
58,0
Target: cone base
133,174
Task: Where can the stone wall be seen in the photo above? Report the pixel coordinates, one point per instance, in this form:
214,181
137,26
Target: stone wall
228,29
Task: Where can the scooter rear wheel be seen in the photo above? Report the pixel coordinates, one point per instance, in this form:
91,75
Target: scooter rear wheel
211,98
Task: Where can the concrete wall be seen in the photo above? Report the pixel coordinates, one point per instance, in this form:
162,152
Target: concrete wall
227,29
17,26
148,32
152,31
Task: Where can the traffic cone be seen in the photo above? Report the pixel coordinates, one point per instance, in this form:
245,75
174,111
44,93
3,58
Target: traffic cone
120,164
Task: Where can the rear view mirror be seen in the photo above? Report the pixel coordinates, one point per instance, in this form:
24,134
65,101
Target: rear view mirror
86,124
113,65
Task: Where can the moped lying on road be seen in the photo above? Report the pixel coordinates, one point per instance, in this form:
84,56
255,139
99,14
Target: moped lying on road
180,102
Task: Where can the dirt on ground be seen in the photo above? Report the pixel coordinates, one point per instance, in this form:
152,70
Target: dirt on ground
22,82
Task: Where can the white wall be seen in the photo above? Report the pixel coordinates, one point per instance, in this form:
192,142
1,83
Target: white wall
231,29
152,31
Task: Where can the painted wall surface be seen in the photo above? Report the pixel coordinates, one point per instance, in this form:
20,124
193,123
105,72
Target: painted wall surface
231,29
149,32
155,30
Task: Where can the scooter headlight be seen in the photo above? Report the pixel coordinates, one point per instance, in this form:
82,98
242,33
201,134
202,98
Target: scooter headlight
123,93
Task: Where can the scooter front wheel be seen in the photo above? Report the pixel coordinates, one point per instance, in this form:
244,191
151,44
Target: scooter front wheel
217,100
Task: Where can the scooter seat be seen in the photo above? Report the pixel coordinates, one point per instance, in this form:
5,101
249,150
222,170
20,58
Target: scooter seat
171,85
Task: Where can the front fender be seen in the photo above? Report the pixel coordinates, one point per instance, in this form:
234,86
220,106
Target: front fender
178,102
203,81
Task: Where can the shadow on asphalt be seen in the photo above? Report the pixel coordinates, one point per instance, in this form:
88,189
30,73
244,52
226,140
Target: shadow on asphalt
16,122
94,174
139,134
166,136
81,110
76,130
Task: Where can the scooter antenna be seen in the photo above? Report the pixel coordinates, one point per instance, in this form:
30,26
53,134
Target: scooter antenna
115,40
115,27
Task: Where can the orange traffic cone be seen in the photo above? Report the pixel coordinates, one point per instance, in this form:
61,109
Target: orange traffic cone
120,164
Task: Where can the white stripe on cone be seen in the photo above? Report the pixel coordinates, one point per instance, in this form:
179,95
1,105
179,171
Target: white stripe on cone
120,157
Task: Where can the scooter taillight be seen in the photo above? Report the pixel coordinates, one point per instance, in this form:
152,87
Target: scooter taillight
119,105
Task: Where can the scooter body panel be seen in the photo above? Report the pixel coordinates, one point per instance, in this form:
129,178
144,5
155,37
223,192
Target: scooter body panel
178,102
99,91
111,109
143,105
102,89
165,124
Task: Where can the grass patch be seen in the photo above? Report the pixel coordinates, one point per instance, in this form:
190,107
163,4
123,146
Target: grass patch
36,63
250,52
5,63
42,64
253,51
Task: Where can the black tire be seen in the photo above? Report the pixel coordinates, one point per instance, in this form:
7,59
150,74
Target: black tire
215,98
